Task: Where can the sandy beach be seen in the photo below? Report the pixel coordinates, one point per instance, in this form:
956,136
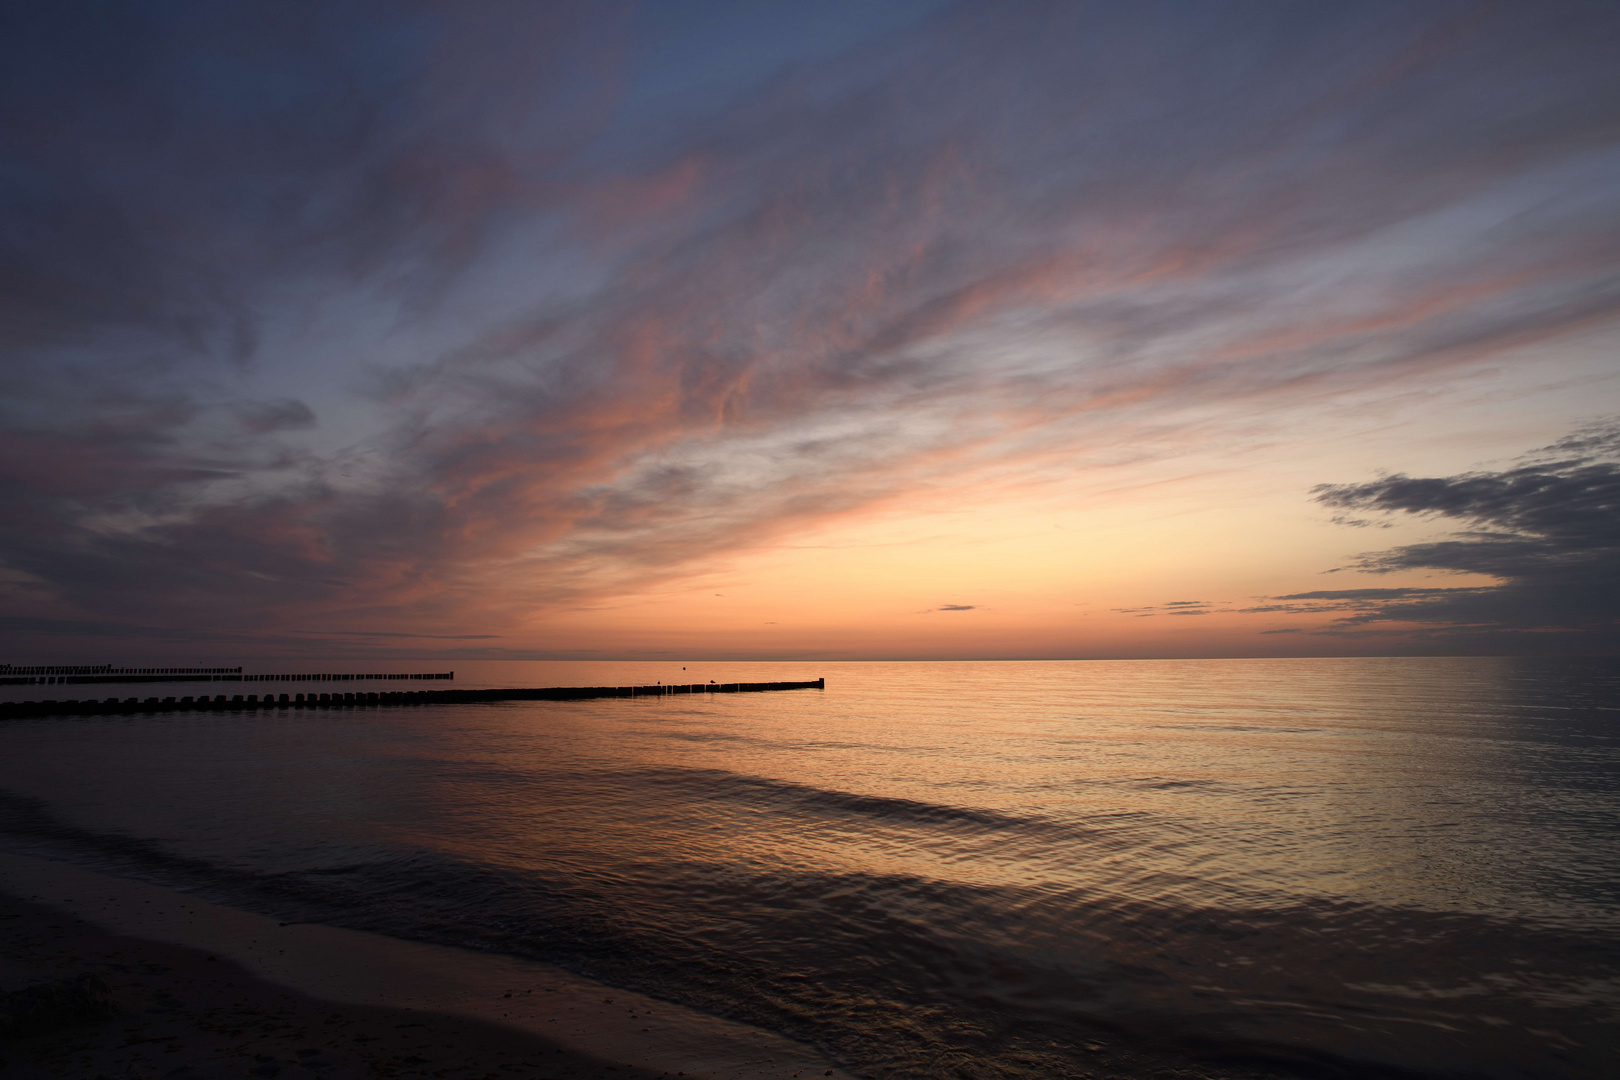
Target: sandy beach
194,990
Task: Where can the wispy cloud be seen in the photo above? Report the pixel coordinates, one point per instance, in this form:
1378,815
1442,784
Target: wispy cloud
1173,607
410,319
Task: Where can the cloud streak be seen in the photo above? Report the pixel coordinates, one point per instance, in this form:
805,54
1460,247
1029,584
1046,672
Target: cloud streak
403,317
1173,607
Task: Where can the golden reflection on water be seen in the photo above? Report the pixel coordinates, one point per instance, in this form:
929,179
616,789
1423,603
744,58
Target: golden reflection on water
1333,854
1220,782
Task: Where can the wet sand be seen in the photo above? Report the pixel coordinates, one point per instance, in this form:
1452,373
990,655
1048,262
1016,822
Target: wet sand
202,991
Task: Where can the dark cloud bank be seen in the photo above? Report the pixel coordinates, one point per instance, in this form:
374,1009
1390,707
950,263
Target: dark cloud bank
1547,529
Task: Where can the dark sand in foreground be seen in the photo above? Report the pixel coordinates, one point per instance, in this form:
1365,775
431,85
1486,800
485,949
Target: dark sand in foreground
182,1014
203,992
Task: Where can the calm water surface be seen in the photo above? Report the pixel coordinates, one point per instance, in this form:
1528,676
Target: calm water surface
939,869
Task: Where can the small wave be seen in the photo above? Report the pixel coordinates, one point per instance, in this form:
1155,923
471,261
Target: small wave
722,785
1157,783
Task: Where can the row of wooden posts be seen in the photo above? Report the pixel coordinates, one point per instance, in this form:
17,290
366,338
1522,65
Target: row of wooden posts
178,675
111,669
252,702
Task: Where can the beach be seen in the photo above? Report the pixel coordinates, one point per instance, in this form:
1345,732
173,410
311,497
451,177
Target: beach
199,991
245,996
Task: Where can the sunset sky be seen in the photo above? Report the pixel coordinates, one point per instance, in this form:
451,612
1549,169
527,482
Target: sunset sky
822,330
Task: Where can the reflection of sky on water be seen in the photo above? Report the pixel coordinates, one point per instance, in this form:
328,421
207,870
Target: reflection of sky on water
1335,853
1477,784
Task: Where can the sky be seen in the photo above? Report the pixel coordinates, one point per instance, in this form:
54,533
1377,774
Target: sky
778,330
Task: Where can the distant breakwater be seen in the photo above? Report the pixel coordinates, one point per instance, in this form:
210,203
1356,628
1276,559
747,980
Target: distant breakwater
44,677
111,669
17,710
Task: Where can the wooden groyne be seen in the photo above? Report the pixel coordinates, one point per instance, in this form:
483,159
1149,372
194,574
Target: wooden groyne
17,710
168,675
111,669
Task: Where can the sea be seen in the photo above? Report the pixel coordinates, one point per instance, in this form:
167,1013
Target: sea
1322,867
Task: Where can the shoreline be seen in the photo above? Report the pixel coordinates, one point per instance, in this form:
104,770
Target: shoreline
208,991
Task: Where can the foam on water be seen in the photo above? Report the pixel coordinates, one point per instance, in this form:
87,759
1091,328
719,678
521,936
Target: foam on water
926,868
